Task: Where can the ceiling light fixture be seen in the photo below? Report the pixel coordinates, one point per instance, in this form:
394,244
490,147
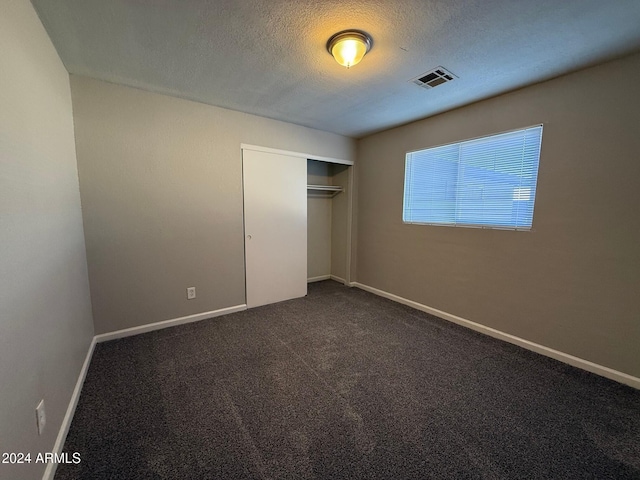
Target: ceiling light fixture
349,46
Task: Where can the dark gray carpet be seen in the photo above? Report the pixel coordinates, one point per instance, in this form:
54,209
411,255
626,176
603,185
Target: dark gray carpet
344,384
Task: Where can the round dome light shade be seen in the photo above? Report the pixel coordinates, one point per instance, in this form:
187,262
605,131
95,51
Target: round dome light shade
349,47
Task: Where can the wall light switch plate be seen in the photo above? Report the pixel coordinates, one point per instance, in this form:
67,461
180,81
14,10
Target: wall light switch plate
41,417
191,293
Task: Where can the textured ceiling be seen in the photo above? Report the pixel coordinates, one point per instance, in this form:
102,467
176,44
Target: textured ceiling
268,57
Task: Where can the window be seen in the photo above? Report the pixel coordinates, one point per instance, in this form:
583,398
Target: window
487,182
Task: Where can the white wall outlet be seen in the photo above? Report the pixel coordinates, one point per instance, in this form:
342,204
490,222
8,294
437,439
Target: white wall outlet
41,417
191,293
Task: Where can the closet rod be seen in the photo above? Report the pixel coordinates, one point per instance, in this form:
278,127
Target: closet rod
334,189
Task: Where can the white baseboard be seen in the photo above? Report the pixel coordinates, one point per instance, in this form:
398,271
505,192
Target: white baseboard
326,277
127,332
318,279
534,347
541,349
50,471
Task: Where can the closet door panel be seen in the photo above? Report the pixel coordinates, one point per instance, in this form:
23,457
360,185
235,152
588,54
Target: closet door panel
275,223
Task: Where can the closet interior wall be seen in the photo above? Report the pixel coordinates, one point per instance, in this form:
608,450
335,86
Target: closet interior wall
327,220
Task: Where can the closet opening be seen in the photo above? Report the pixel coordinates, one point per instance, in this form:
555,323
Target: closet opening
328,221
297,222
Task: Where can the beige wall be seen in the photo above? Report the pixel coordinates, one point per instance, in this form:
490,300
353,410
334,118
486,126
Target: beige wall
161,187
572,282
45,311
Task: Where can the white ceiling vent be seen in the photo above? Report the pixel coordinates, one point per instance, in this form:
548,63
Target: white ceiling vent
433,78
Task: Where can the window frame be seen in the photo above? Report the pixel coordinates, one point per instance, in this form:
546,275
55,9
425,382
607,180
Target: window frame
470,225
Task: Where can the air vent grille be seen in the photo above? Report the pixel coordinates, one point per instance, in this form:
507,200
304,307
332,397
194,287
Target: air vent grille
433,78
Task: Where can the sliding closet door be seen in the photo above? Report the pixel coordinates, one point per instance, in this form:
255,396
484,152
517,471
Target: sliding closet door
275,226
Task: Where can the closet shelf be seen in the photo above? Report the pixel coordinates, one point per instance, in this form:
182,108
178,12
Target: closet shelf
333,190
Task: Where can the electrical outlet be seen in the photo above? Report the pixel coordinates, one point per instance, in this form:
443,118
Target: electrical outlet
191,293
41,417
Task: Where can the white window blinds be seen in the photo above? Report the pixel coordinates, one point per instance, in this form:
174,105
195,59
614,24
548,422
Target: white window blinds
487,182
